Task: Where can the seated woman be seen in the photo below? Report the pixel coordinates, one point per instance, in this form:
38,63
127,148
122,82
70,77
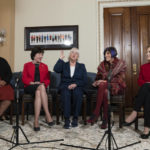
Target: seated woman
36,79
142,98
73,81
6,91
115,69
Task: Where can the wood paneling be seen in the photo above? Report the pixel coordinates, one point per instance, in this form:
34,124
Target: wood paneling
118,34
7,19
128,29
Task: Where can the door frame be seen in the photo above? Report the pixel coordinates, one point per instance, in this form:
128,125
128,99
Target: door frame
101,4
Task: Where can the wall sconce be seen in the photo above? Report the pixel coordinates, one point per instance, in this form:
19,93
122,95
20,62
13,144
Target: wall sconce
2,35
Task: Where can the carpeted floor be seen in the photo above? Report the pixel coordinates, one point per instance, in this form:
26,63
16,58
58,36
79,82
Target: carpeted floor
86,136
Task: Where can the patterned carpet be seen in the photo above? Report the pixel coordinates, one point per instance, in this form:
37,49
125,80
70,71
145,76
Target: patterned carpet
86,136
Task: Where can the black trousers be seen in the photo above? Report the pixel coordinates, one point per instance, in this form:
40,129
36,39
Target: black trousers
143,99
77,96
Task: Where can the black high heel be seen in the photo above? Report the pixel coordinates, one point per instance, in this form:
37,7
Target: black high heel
36,128
145,136
50,123
129,123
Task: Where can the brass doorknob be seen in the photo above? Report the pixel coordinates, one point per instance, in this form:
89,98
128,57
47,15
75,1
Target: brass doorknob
134,69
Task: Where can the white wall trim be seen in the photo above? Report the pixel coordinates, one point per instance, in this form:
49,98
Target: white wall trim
101,4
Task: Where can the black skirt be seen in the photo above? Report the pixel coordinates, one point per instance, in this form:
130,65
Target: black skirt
31,89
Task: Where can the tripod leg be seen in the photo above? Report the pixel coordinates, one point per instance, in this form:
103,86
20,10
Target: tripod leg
101,140
114,141
13,146
24,134
12,135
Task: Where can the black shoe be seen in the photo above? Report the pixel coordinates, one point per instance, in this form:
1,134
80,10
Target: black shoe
67,124
6,117
36,128
74,123
145,136
51,123
129,123
1,118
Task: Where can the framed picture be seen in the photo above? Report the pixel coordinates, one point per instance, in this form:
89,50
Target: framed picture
51,37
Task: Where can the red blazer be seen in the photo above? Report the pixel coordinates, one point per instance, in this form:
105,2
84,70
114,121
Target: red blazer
28,74
144,75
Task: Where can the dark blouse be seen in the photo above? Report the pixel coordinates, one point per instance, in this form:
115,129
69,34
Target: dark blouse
5,70
6,91
37,73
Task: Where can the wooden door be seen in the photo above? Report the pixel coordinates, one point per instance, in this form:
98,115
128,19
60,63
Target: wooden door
128,29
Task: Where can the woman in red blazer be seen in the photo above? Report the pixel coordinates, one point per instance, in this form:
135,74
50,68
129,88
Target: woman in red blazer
36,79
142,98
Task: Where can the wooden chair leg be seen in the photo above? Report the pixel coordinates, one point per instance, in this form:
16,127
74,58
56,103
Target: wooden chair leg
84,110
50,104
57,110
27,110
136,123
11,113
22,114
123,113
51,107
120,116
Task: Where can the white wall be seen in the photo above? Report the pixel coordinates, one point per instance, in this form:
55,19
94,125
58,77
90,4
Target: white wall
57,12
87,14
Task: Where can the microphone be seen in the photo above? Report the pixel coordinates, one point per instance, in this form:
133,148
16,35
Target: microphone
17,79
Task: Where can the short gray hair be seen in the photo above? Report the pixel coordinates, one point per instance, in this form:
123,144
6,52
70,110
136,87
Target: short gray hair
74,49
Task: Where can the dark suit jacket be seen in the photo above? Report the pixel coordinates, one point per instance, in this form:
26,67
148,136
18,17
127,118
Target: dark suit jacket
79,77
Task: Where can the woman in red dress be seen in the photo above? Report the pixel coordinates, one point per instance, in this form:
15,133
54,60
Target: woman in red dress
6,91
36,79
142,98
115,68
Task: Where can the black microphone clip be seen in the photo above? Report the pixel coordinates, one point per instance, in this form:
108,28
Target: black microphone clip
17,79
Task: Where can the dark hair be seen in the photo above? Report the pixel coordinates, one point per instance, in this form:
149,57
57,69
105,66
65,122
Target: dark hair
112,51
36,50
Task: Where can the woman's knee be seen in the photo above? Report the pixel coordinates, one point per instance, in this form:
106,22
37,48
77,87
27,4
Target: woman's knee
42,88
102,85
37,93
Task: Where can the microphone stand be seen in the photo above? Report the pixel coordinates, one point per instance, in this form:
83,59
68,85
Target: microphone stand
111,140
15,135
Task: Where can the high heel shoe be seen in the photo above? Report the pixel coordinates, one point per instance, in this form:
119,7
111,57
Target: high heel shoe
36,128
92,119
50,123
145,136
129,123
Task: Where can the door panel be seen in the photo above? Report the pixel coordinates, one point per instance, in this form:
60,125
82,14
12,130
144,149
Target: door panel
117,34
140,22
128,29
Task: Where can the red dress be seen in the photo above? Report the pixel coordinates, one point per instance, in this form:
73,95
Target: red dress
6,92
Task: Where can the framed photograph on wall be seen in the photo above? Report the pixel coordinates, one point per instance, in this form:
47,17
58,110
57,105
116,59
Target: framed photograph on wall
51,37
